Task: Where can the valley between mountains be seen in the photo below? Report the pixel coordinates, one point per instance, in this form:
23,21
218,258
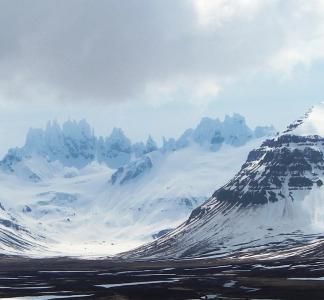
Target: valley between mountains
144,225
69,192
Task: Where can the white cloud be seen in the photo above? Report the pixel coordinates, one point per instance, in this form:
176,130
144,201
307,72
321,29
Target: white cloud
197,91
303,37
216,12
114,51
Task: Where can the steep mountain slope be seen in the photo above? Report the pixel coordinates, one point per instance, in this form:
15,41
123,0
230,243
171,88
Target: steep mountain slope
15,238
275,200
89,195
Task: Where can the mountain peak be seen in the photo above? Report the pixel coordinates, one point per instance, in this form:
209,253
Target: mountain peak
77,129
272,197
118,139
312,123
150,145
234,118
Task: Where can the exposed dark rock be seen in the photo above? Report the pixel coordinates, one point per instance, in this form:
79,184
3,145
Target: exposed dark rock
132,170
161,233
27,209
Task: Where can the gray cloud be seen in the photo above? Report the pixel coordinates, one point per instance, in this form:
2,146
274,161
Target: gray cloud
112,50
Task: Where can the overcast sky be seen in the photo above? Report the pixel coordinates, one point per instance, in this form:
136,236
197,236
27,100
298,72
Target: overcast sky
157,66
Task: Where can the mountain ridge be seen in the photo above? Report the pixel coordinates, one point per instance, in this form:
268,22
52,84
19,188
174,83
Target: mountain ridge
271,200
74,144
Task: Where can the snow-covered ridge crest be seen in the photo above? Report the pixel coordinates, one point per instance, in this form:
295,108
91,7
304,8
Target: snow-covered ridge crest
74,144
312,123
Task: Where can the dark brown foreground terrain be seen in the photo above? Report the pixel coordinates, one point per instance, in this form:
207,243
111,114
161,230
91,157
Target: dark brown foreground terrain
61,278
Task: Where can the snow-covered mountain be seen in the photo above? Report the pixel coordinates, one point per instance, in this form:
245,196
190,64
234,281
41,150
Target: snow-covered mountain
15,238
275,200
74,144
94,195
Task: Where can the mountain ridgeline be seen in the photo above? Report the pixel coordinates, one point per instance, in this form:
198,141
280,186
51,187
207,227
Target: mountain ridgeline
69,191
273,199
74,144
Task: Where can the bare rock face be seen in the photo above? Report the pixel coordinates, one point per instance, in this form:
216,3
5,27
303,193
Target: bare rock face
132,171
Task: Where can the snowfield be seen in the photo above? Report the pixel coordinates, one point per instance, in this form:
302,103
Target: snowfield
69,192
80,211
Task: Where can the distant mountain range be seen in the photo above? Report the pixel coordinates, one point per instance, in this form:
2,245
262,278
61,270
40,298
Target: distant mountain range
70,191
74,144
